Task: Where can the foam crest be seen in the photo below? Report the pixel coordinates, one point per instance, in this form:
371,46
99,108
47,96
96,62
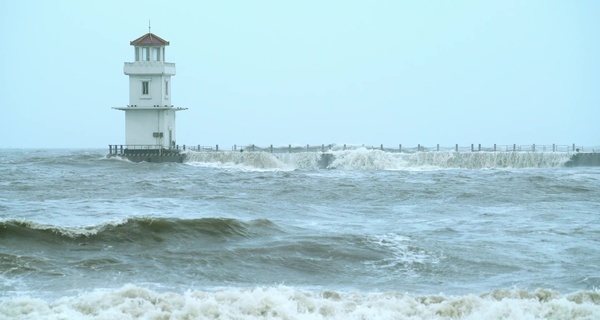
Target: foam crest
137,229
243,161
363,159
302,160
134,302
31,229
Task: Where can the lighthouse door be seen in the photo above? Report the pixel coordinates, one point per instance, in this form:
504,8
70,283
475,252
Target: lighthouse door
170,139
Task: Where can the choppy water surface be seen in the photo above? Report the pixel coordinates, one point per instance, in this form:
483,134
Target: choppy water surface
230,235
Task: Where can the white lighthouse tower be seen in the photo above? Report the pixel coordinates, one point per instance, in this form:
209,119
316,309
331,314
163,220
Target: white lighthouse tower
149,116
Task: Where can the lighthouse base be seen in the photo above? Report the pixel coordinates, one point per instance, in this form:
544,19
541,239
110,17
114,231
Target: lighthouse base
148,155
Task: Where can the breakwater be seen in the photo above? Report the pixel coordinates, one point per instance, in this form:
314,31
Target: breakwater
369,157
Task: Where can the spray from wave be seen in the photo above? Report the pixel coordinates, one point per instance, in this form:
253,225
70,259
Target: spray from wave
248,161
364,159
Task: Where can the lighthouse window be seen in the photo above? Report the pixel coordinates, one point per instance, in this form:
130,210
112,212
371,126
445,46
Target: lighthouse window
155,54
145,85
166,88
146,53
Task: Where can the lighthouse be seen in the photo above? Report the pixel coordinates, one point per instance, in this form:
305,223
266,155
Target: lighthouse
150,117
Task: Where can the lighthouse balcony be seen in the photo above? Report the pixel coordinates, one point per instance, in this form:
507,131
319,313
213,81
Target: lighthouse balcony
149,67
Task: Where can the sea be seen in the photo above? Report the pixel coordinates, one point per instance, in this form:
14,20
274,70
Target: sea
255,235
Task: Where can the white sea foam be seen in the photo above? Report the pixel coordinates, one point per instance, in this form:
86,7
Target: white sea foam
401,251
134,302
116,158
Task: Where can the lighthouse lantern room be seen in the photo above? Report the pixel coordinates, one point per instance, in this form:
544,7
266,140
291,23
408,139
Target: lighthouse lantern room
150,115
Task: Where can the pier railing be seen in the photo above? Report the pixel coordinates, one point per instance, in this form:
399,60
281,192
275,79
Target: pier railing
395,149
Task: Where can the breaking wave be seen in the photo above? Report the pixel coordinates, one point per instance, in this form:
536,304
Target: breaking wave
133,230
282,302
364,159
251,161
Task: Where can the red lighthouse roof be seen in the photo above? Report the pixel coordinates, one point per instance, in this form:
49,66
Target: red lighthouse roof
149,39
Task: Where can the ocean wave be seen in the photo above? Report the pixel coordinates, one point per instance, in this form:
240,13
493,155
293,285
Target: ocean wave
282,302
134,229
52,156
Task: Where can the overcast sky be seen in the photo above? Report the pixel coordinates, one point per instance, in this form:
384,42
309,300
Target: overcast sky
308,72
